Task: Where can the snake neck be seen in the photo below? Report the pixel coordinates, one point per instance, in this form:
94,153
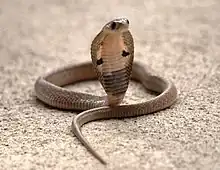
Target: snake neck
113,61
111,53
114,72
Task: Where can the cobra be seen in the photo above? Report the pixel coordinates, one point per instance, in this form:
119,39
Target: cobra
112,53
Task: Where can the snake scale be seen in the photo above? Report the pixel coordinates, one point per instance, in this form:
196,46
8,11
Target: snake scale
112,53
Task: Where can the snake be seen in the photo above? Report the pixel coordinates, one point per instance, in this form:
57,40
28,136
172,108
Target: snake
112,55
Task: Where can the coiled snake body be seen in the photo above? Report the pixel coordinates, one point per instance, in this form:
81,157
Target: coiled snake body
112,53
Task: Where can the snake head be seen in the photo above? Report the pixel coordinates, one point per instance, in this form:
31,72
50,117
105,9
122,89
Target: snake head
117,25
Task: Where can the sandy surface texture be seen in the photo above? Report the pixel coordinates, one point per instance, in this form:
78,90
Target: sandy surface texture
179,39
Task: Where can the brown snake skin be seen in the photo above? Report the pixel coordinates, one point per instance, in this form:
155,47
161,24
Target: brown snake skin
112,58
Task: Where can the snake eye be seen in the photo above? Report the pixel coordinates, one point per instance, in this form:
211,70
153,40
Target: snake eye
113,25
127,21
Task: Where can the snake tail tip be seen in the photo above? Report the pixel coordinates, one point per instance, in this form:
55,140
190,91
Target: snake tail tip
103,162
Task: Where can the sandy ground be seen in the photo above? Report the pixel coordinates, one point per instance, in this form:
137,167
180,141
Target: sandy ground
179,39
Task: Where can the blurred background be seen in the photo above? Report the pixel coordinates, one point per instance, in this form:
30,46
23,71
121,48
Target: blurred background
180,39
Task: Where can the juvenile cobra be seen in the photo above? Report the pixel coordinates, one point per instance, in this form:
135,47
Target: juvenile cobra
112,53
